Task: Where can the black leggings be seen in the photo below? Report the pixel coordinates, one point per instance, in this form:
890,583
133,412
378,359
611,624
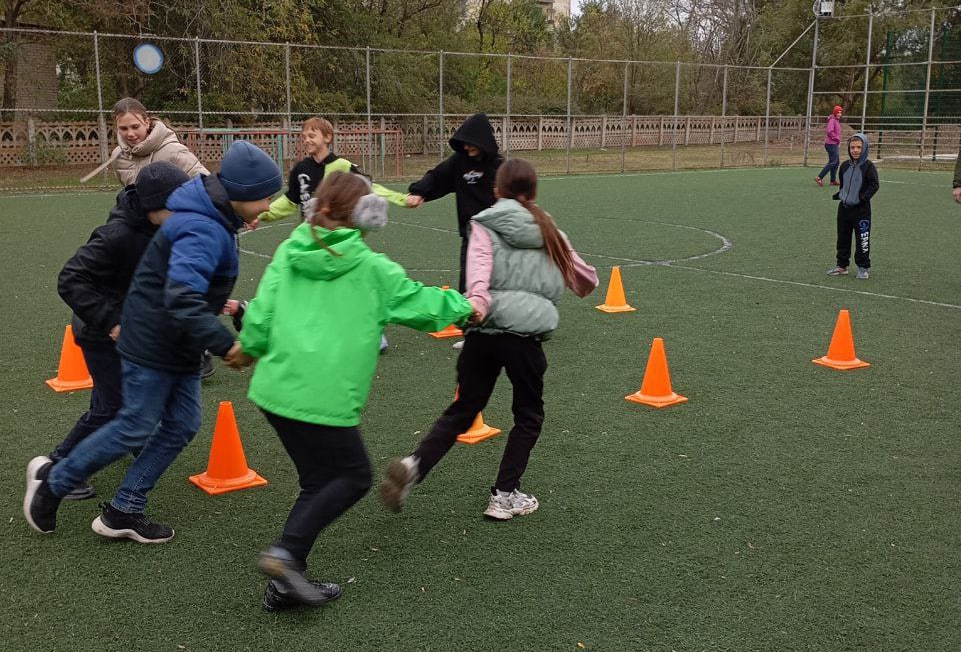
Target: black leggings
334,473
478,366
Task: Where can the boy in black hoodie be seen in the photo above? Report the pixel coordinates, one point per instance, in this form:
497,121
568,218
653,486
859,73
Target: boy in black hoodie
859,182
94,284
469,173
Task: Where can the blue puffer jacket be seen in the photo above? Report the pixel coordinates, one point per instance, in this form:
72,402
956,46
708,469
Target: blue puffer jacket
182,282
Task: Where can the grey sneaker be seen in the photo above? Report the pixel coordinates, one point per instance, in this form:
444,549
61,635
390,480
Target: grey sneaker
459,344
504,506
401,477
83,492
838,271
862,273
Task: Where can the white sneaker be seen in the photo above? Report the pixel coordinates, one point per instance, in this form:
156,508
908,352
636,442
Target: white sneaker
459,344
383,343
401,477
504,506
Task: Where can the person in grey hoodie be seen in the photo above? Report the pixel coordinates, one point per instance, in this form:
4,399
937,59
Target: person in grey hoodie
859,183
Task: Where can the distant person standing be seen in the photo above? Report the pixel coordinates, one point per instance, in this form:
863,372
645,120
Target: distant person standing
832,141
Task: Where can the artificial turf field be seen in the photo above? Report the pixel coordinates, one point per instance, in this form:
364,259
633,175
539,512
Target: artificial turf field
784,507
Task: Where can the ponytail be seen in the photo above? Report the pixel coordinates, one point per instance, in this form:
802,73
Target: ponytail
517,180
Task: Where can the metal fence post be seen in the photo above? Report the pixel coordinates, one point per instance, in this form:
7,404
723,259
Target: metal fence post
200,105
440,108
867,72
286,140
570,132
627,69
814,63
767,116
507,125
927,90
723,115
101,122
369,149
677,106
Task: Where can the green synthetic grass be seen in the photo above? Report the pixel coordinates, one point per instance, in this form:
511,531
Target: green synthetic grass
785,507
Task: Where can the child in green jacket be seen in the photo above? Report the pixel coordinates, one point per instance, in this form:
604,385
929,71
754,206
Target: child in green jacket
314,328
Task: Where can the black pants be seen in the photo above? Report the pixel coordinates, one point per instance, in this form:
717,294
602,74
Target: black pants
860,227
478,367
106,398
334,473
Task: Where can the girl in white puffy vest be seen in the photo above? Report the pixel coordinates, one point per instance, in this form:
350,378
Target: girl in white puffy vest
518,264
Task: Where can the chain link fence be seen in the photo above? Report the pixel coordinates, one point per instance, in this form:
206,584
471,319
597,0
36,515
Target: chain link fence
394,110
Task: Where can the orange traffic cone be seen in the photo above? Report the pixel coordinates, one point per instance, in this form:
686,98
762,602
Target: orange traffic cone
450,331
841,351
656,389
615,300
479,431
72,373
227,467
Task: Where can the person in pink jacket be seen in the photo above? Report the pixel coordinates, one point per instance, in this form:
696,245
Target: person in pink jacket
832,140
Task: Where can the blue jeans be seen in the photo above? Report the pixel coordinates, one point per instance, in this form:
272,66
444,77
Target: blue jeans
150,397
833,162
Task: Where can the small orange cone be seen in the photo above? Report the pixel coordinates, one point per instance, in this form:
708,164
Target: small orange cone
227,468
479,431
656,389
72,373
841,351
450,331
615,301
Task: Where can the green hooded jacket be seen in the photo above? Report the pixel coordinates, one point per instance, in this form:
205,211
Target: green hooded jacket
316,322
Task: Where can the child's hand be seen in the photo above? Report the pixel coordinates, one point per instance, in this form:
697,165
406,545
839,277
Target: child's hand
236,358
230,308
115,333
478,315
413,201
957,195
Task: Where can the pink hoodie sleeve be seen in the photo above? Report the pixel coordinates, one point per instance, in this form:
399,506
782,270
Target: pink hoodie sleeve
585,276
480,265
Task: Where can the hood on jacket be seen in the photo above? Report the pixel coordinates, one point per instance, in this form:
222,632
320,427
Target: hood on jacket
205,195
477,131
864,150
158,135
129,210
511,221
309,258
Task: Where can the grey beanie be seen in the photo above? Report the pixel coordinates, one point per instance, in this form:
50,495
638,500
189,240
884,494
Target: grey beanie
156,182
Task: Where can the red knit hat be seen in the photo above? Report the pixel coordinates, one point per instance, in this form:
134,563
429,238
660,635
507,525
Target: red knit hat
837,109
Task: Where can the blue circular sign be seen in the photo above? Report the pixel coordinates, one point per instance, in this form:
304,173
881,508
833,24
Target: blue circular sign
148,58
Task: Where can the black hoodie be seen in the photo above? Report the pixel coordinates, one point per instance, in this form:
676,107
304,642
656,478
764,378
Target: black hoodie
94,281
471,179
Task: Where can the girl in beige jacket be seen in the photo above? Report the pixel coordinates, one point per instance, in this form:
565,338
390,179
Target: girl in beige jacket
144,140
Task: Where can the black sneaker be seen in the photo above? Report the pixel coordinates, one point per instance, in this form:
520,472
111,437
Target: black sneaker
278,598
39,503
207,367
114,524
83,492
279,565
